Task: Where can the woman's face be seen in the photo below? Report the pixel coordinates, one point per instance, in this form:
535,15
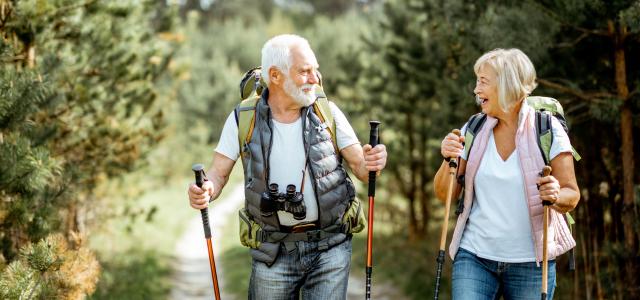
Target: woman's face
487,91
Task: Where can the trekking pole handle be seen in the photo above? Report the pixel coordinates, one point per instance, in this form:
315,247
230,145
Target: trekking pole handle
453,163
198,170
546,171
373,141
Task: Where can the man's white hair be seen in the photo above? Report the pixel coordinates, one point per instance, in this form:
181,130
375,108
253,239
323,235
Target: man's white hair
276,52
516,75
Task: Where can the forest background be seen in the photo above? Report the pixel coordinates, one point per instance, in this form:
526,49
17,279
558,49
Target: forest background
104,106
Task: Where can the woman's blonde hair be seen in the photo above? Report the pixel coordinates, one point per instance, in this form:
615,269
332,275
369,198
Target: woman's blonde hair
515,74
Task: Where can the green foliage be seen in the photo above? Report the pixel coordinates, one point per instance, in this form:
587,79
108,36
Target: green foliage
50,269
79,105
17,281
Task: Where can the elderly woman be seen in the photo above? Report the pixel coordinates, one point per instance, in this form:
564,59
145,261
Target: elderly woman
497,242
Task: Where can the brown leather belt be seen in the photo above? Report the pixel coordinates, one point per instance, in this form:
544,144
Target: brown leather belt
303,227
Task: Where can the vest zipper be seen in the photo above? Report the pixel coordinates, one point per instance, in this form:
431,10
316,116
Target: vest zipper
305,124
526,199
267,164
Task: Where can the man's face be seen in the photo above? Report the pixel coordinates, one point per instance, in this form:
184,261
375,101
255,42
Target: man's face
301,80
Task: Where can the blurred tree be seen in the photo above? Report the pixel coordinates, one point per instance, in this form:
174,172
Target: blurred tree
412,77
223,10
594,65
210,89
79,106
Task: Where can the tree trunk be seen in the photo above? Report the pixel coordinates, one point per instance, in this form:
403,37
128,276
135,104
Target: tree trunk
31,56
596,266
620,33
424,179
411,191
587,270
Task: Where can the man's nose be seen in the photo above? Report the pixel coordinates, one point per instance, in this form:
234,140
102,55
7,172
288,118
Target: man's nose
314,79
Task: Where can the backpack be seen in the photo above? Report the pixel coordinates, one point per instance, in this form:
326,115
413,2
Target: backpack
251,88
546,108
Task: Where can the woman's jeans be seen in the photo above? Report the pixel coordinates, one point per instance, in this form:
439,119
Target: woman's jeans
319,274
479,278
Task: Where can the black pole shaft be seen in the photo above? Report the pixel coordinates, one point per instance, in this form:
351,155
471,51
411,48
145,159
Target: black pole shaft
198,170
373,141
440,261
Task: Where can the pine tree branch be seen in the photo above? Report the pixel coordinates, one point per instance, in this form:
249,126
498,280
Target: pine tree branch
556,17
587,96
58,12
571,44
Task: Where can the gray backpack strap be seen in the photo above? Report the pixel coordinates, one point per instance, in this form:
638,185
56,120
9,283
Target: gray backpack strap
474,125
545,134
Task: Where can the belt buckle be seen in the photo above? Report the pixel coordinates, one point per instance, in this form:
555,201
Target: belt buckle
314,235
302,227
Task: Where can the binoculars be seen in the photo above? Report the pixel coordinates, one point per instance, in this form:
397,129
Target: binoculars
290,201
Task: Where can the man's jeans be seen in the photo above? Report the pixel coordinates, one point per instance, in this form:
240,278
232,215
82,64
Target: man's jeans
320,274
478,278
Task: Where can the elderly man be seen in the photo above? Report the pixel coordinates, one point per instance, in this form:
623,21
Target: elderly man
300,247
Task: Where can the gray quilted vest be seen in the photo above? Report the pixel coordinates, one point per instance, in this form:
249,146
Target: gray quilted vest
331,184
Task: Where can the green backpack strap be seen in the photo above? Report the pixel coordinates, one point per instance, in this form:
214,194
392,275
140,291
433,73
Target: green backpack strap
322,109
251,87
245,119
545,135
546,108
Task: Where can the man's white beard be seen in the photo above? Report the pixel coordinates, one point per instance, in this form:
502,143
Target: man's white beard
298,94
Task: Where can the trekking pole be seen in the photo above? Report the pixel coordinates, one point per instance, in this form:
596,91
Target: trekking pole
546,171
198,169
373,141
453,166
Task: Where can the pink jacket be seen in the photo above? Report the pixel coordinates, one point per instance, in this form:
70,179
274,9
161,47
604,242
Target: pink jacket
531,163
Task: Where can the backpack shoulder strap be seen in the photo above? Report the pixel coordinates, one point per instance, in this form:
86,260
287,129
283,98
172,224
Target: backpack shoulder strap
474,125
545,134
544,131
245,114
322,108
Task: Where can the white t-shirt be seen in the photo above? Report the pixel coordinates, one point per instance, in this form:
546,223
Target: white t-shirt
499,227
287,158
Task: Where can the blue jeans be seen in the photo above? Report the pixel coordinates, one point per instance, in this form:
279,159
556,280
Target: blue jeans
478,278
319,274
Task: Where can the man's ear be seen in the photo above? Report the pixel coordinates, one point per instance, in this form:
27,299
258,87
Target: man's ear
275,76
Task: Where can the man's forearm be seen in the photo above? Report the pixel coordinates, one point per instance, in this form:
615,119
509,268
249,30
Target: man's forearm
218,181
362,173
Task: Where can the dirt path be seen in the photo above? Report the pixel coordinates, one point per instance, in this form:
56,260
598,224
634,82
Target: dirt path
192,277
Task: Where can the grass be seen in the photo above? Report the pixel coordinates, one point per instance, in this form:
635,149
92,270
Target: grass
411,267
